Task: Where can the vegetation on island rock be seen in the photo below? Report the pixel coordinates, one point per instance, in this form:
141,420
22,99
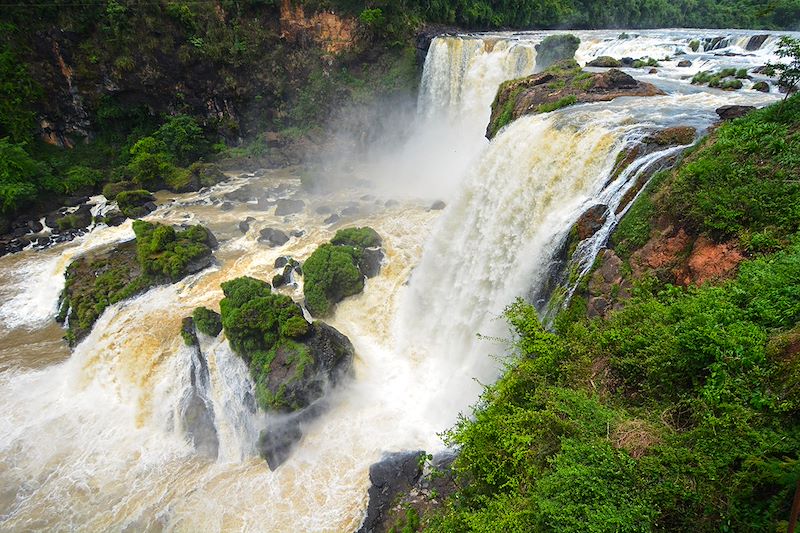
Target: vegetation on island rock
337,269
558,86
158,255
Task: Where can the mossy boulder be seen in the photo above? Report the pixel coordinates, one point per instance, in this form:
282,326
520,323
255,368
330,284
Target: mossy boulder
337,269
207,322
560,85
604,62
112,190
97,280
290,359
136,203
555,48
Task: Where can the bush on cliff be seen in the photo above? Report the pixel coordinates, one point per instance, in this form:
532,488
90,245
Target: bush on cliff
743,180
207,321
365,237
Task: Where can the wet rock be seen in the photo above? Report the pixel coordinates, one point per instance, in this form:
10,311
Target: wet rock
226,206
653,71
590,222
730,112
197,411
279,280
438,205
188,332
370,262
333,219
755,42
556,48
391,203
607,287
675,136
273,237
289,207
297,233
244,225
34,226
684,63
282,261
73,201
605,62
761,86
351,211
394,474
275,443
114,218
627,61
324,210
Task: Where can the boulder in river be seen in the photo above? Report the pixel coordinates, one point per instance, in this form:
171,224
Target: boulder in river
394,474
604,62
730,112
289,207
556,48
684,63
273,237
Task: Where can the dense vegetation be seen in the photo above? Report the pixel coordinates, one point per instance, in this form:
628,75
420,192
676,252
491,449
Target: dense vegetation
158,255
335,270
263,327
678,412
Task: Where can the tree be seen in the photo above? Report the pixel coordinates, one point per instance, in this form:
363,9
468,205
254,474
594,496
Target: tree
788,73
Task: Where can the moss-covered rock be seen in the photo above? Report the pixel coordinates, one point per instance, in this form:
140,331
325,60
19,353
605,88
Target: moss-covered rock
560,85
207,322
136,203
289,359
604,62
188,332
555,48
112,190
331,275
365,237
97,280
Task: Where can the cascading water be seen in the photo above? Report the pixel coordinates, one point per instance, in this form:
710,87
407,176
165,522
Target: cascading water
98,440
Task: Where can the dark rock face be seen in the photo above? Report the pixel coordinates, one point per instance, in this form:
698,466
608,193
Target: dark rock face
273,237
607,287
244,225
591,221
333,219
438,205
289,207
605,62
370,263
332,355
188,332
281,262
755,42
395,473
730,112
114,218
684,63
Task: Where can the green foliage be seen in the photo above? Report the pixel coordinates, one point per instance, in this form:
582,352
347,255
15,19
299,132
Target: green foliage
365,237
150,164
165,253
558,104
331,274
207,321
79,178
694,45
675,414
113,189
21,177
743,179
131,202
788,73
182,139
17,94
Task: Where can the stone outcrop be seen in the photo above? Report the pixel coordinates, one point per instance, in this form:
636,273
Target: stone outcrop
608,288
561,85
730,112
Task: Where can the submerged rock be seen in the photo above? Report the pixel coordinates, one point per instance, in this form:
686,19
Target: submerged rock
273,237
438,205
289,207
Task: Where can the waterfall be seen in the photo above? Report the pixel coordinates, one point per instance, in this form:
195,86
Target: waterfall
104,439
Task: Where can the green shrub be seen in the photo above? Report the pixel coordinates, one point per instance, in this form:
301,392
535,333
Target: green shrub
741,180
150,164
182,138
365,237
21,177
207,321
162,252
331,274
113,189
694,45
81,178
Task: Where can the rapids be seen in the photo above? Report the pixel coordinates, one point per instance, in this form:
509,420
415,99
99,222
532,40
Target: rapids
91,440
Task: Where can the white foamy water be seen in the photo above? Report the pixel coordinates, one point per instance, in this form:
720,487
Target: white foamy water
94,443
